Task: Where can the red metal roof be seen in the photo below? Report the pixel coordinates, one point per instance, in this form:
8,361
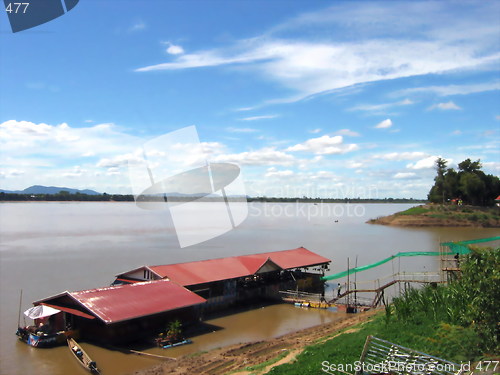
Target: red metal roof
205,271
208,270
118,303
71,311
296,258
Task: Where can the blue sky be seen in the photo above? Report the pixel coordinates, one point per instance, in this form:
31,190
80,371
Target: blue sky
314,98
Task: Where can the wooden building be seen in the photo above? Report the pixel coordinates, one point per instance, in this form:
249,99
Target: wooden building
226,281
124,313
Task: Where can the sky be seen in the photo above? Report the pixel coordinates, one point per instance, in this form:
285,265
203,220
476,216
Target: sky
310,98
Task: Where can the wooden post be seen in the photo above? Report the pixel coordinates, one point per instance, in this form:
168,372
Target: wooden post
19,315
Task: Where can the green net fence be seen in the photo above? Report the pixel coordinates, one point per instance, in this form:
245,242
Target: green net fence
455,247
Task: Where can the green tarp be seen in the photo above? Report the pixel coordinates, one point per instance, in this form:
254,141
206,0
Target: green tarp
455,247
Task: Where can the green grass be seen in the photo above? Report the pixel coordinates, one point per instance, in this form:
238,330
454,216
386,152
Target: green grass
447,341
419,210
457,323
263,365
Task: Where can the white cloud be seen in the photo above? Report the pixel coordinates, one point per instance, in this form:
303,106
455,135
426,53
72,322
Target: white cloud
256,118
414,39
273,172
451,90
315,131
263,156
445,106
173,49
405,175
354,164
381,107
324,145
348,133
241,130
76,171
324,175
387,123
426,163
8,173
493,166
456,132
244,109
398,156
137,26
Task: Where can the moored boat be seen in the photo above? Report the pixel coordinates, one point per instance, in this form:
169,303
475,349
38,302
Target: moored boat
30,336
47,331
83,358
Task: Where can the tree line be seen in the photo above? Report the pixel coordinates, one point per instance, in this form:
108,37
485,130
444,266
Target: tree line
469,184
66,196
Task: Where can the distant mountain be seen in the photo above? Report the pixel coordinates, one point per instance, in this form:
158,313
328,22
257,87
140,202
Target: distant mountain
38,189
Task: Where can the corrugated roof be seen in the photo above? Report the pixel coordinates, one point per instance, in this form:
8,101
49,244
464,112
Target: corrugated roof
205,271
295,258
119,303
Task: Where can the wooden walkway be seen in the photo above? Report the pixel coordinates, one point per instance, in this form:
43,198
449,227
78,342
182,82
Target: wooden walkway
380,291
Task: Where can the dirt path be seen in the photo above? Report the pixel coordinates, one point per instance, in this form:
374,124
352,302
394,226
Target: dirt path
237,358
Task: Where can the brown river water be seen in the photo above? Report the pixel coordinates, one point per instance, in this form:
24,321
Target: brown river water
47,248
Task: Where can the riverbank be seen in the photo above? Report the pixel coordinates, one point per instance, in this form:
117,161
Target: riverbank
443,216
257,356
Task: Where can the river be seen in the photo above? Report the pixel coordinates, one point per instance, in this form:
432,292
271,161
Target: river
50,247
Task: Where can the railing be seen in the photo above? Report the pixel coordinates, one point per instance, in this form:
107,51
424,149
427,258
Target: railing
298,295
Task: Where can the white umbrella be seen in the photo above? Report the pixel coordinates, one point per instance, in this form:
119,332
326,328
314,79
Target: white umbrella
40,311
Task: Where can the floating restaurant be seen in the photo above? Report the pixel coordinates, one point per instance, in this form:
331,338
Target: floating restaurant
142,301
227,281
119,314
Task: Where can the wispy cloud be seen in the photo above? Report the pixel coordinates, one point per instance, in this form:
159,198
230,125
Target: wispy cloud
325,145
425,163
335,61
315,131
445,106
273,172
398,156
256,118
381,107
263,156
405,175
348,133
451,90
241,130
139,25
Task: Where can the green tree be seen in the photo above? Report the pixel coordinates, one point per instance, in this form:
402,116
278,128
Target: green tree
470,183
472,188
470,166
437,193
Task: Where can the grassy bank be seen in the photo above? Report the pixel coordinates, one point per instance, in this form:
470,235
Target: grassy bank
444,215
458,322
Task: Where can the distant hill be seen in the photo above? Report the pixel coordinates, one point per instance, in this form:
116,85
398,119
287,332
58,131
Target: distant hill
38,189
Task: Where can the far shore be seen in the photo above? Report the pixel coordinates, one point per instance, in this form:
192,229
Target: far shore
432,215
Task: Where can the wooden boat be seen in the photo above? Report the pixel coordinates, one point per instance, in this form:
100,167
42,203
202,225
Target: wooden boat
82,357
30,336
